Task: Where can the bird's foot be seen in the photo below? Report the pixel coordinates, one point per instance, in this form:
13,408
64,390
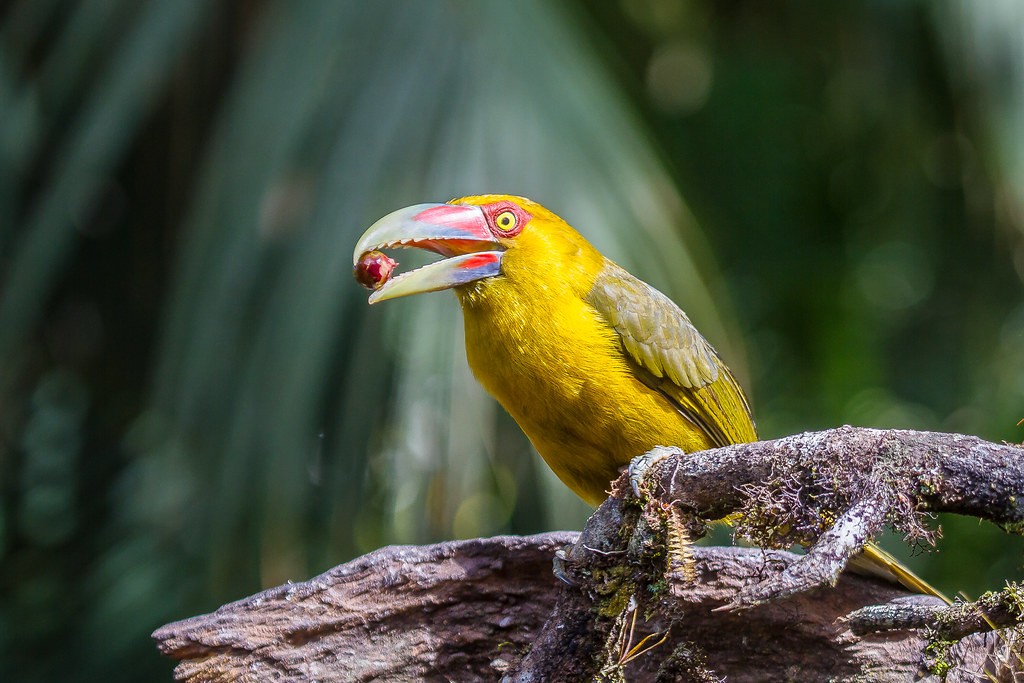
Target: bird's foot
639,466
559,567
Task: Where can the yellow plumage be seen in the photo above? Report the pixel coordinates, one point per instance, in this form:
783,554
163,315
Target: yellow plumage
595,366
537,342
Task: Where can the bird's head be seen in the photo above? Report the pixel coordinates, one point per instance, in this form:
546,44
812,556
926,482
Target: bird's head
482,238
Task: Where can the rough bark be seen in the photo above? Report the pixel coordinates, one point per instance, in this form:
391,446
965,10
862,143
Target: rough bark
401,613
939,472
472,609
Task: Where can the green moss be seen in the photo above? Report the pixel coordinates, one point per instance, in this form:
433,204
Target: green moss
938,647
938,650
1012,596
927,488
612,605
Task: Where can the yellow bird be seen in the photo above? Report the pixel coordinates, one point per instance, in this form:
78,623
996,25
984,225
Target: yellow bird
594,365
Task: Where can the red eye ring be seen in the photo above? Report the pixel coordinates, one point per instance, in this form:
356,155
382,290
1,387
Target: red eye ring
506,219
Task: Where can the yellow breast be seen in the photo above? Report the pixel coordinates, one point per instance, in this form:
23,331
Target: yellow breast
559,370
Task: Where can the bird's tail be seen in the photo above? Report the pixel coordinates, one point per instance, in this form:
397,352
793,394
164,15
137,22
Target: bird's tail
874,561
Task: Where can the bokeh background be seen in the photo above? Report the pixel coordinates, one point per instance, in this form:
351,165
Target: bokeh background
196,401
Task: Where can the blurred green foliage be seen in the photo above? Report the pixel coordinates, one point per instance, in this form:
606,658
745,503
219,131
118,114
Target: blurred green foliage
195,401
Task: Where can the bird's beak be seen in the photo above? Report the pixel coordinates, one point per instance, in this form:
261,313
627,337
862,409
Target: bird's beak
457,232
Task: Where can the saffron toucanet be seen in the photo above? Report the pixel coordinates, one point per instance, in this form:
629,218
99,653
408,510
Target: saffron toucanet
595,365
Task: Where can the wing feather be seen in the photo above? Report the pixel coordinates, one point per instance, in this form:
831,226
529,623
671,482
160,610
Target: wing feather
669,355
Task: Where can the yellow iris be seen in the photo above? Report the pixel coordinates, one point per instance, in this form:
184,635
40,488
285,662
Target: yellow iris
506,221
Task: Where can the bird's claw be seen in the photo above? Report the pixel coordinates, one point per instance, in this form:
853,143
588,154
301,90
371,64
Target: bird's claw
639,465
558,567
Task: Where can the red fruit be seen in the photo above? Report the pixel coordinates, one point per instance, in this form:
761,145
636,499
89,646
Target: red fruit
374,269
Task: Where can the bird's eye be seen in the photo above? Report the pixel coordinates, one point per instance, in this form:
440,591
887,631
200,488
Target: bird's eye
506,221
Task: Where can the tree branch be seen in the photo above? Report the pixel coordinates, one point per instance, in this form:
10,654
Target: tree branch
473,609
927,470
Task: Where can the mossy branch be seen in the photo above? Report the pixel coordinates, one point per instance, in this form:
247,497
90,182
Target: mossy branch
992,611
923,471
830,490
476,609
833,491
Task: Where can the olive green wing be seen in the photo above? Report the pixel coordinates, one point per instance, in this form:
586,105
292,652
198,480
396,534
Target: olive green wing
669,355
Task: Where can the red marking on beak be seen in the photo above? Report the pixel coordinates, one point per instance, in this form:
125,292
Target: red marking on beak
481,259
467,218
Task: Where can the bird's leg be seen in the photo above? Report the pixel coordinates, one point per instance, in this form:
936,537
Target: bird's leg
640,465
677,526
824,560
